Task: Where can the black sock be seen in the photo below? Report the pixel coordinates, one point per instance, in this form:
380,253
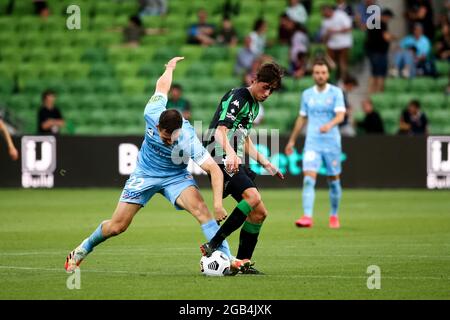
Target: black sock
247,244
234,222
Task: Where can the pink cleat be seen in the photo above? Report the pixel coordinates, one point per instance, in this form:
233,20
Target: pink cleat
334,222
304,222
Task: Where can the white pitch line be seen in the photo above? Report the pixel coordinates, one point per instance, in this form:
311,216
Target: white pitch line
156,273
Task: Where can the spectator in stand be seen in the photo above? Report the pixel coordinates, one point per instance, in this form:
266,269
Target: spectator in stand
443,42
50,119
12,151
412,120
133,33
258,37
298,51
336,33
361,14
377,48
245,58
177,101
227,35
372,122
202,32
286,29
346,127
41,8
152,7
344,6
296,11
414,55
421,11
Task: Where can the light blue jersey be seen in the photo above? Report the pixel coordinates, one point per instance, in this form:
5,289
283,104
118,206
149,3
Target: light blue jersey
157,159
162,168
320,108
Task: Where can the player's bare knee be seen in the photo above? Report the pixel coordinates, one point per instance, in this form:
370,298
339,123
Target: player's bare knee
252,197
260,215
200,211
117,228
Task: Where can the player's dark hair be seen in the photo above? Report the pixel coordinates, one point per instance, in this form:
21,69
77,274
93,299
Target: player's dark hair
170,120
415,103
270,73
47,93
177,86
349,79
320,62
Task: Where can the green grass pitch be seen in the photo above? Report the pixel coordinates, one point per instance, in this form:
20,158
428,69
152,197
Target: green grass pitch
404,232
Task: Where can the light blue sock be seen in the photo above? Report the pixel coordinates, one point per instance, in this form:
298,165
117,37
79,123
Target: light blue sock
94,239
335,196
210,229
308,195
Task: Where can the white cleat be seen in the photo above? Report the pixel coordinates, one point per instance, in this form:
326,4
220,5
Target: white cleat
74,259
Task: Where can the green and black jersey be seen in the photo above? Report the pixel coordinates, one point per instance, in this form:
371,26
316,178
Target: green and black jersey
236,111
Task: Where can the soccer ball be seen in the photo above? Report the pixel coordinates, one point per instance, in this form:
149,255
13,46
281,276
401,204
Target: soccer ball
216,265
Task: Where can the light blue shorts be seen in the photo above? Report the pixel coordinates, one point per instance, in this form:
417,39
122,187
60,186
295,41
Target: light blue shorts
140,189
312,161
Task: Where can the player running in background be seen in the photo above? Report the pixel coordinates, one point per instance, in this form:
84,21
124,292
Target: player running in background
229,140
323,108
160,170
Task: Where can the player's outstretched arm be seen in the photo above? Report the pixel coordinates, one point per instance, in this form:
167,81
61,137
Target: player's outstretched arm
211,167
11,148
165,81
299,123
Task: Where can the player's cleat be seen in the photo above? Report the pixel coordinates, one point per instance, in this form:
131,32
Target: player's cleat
74,259
252,270
304,222
334,222
238,265
207,249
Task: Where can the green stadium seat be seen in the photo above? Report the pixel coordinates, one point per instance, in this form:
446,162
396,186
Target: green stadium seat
402,100
82,39
11,55
7,24
80,86
150,70
106,85
215,54
126,70
101,70
114,102
31,39
101,23
9,40
93,55
59,39
52,71
165,53
68,103
75,70
153,21
66,54
34,86
55,23
435,101
313,24
8,70
21,102
384,101
37,55
191,52
391,120
27,71
22,8
443,67
137,101
104,39
28,23
397,85
442,83
423,85
6,85
199,69
133,86
223,69
141,54
89,103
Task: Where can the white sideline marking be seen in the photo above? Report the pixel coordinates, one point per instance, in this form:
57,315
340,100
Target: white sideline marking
61,270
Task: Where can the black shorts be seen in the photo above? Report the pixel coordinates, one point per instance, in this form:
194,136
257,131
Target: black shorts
238,183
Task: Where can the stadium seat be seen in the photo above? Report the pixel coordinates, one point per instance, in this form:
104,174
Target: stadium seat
443,67
7,85
101,70
384,101
223,69
397,85
106,85
198,69
75,70
150,70
93,55
191,52
126,70
423,85
215,54
132,85
435,101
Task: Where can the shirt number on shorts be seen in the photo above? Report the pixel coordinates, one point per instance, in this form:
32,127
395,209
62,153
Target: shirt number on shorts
136,183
